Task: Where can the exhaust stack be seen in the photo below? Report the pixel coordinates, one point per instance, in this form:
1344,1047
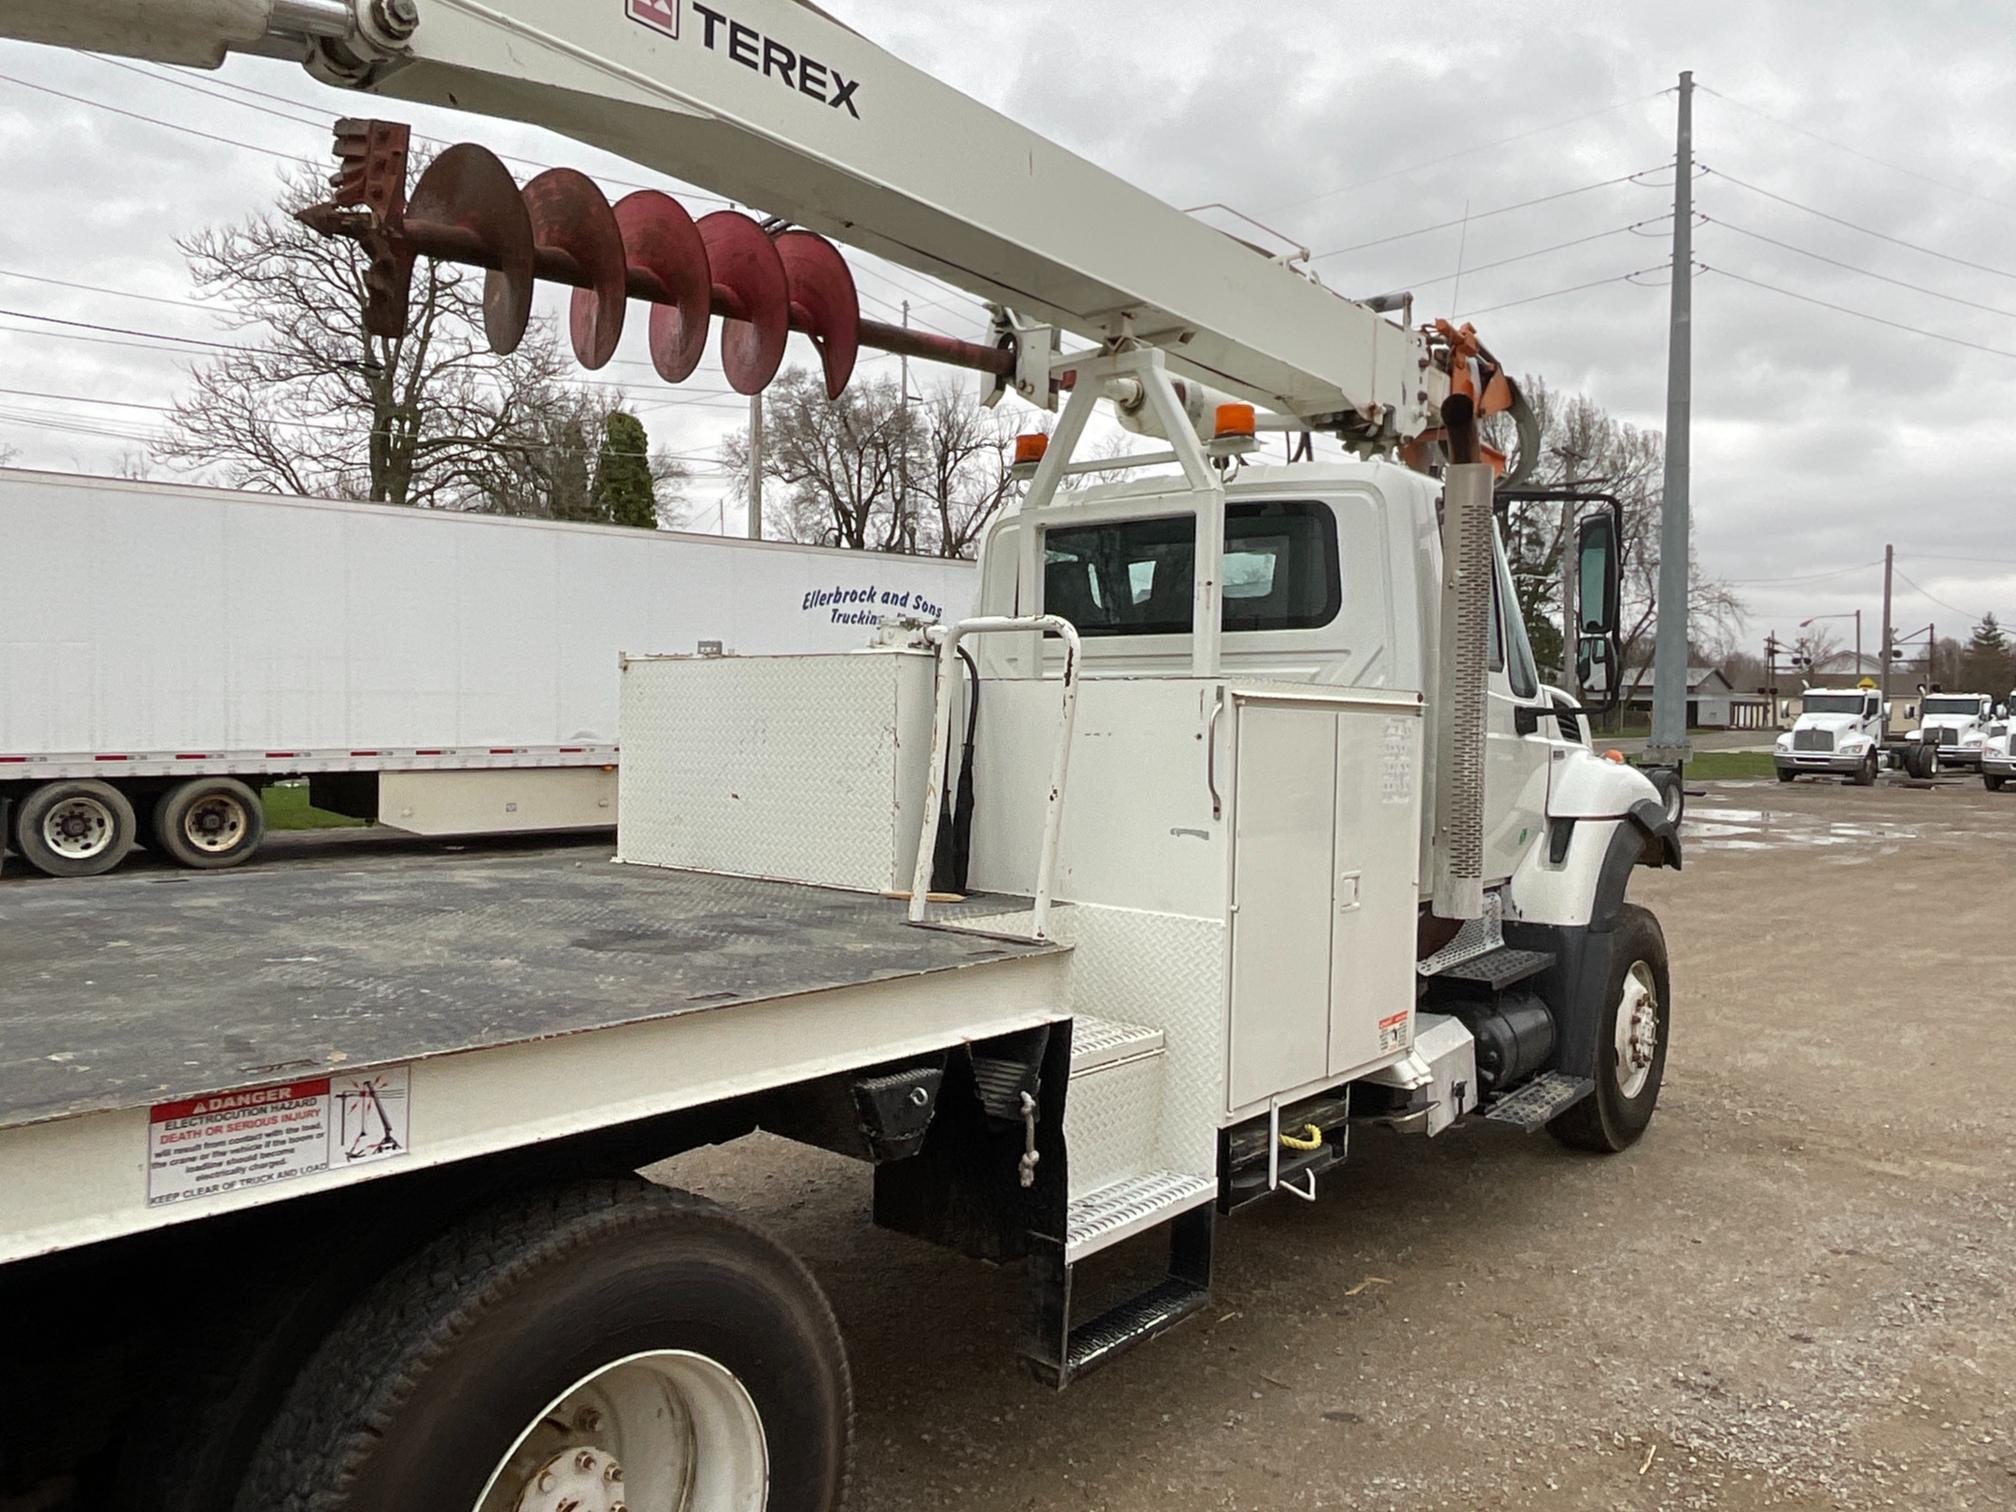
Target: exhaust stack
1463,650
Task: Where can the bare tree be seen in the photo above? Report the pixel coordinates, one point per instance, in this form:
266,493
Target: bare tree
1583,446
870,472
312,403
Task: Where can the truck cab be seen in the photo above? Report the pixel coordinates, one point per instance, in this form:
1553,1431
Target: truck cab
1956,723
1839,731
1331,577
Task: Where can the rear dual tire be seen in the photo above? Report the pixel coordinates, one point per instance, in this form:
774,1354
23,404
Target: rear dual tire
209,823
74,828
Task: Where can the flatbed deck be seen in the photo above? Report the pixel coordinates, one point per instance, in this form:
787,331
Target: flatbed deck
525,995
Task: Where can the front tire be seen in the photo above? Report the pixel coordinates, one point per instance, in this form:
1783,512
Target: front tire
74,829
609,1326
1631,1041
209,823
1785,774
1865,774
1994,784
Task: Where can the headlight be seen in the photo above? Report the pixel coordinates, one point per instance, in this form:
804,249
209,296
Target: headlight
1855,743
1784,742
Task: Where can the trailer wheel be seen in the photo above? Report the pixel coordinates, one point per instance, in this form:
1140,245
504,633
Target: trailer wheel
74,829
209,823
1631,1042
601,1345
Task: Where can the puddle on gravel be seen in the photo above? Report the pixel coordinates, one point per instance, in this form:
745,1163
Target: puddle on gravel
1750,829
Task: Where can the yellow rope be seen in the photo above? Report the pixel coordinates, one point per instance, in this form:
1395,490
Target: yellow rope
1311,1138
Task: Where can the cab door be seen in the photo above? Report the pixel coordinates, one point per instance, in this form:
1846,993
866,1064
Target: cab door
1519,726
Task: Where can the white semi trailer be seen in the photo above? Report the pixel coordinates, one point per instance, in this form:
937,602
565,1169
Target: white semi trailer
1237,819
441,673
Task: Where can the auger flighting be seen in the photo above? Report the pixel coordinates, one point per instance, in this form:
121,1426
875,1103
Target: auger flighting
467,208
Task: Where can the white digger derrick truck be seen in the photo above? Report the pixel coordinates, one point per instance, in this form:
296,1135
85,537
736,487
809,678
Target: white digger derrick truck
1238,818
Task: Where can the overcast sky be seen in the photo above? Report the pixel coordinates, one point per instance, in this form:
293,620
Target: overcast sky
1818,435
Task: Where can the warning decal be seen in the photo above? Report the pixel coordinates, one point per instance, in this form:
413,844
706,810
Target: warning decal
254,1136
1394,1033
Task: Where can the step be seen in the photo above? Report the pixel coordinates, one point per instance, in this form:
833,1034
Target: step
1120,1328
1130,1206
1500,968
1543,1099
1097,1042
1113,1111
1057,1352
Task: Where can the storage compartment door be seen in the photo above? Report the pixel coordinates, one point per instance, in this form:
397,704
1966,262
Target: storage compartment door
1377,889
1284,823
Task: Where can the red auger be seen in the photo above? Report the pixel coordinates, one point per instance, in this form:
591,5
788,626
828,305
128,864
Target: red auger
468,209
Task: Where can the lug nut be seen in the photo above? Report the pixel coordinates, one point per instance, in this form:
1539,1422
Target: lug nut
613,1475
546,1481
584,1460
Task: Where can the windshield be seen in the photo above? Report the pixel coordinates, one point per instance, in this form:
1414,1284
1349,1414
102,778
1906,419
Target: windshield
1967,706
1833,703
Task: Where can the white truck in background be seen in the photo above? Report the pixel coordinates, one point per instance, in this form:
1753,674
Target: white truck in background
440,673
1839,732
1957,724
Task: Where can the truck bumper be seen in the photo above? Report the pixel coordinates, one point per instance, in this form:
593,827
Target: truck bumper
1956,756
1819,761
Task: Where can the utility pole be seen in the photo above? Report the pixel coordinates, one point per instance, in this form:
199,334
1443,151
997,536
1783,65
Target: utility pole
1883,677
755,467
1669,744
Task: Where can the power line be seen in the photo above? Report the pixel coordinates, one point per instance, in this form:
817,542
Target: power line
1852,268
1571,289
1422,283
1812,577
1942,603
1450,157
1865,230
134,115
1895,325
1543,199
86,288
1855,151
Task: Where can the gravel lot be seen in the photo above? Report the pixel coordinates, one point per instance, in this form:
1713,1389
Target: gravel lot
1794,1293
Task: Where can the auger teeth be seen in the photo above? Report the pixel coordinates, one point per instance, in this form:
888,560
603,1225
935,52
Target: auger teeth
468,209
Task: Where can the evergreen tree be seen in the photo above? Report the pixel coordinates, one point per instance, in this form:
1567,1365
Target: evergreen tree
625,492
1988,663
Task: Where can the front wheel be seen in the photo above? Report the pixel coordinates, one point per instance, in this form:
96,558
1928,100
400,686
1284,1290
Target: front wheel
1631,1041
609,1344
1994,784
1865,774
1785,774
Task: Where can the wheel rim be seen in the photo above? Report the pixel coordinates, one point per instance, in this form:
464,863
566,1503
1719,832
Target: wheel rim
665,1431
1637,1029
215,824
79,829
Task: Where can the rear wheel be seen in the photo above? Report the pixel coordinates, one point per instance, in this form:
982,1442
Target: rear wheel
608,1345
1631,1042
209,823
74,829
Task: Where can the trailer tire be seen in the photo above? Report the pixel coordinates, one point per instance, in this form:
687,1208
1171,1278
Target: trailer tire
476,1367
74,829
209,823
1631,1055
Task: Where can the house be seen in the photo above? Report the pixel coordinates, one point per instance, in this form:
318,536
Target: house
1712,702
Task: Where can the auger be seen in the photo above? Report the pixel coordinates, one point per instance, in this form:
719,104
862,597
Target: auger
763,281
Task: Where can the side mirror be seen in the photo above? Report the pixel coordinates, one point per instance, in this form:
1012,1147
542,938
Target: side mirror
1596,665
1599,609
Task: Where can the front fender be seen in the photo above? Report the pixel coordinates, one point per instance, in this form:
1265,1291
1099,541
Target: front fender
1583,785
